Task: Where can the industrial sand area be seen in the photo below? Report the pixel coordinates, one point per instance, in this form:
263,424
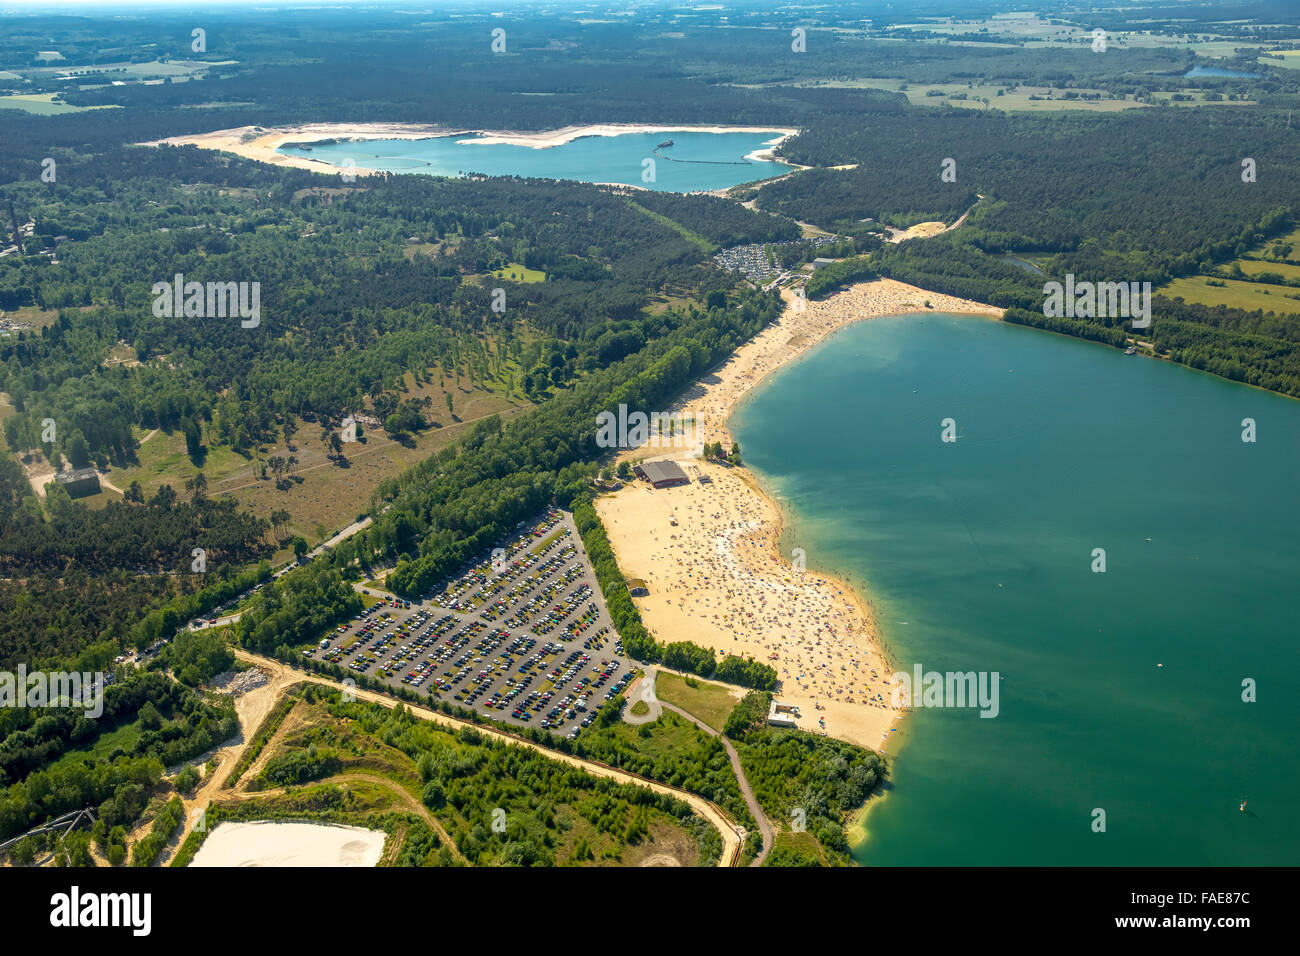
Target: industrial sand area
265,843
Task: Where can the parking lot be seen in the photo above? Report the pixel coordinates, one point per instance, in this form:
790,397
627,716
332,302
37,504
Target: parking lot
522,636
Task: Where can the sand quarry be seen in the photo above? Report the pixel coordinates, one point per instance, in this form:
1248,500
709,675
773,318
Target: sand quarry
289,844
260,143
716,576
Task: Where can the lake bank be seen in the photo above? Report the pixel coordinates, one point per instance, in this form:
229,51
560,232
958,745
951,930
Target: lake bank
720,576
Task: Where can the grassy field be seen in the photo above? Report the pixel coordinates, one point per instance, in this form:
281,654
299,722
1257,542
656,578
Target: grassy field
517,272
1253,267
320,495
1235,294
125,736
42,104
1290,59
796,849
1247,295
34,317
712,703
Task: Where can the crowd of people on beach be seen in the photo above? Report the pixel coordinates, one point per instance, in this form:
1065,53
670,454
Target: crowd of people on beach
718,559
725,569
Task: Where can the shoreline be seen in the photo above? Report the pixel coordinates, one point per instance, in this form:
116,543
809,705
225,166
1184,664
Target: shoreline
816,629
260,143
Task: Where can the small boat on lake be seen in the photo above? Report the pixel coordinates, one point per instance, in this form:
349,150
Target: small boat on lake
665,144
1132,349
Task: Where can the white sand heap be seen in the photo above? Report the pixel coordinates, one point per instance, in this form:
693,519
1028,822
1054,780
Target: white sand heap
267,843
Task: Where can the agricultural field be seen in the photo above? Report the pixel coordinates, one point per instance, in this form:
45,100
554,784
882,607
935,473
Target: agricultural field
1253,267
1012,97
1239,294
1290,59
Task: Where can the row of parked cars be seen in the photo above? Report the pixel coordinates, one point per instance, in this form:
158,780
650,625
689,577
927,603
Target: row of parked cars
547,569
560,612
538,602
483,579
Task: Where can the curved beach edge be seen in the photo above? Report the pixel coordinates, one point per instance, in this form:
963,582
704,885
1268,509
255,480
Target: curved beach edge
711,553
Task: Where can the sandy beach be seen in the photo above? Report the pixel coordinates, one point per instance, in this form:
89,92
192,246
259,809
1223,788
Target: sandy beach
260,143
709,552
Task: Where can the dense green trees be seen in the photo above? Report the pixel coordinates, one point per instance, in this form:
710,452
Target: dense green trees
39,785
300,766
164,825
295,608
809,781
835,276
195,657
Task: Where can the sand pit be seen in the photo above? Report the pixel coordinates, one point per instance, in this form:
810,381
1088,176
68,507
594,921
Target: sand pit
266,843
260,143
710,552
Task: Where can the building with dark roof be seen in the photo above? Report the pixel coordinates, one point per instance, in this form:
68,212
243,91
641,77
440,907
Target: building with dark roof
661,474
79,482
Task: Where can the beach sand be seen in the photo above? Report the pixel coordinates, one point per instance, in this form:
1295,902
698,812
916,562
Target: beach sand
261,143
717,577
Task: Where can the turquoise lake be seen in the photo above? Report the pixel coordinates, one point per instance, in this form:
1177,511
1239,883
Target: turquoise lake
978,555
696,161
1220,72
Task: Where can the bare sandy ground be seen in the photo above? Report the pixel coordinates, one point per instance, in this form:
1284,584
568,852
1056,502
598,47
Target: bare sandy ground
260,143
289,844
717,578
922,230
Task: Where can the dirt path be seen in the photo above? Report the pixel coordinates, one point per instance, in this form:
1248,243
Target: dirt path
746,791
643,690
731,842
251,709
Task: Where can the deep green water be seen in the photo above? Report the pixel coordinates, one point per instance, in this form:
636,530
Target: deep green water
978,557
716,159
